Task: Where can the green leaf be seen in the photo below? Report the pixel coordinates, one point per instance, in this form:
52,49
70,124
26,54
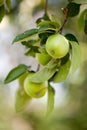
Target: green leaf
29,43
46,28
71,37
8,5
62,73
32,51
43,36
81,20
16,72
49,24
73,9
76,56
50,102
53,63
22,100
45,73
65,59
21,79
25,36
45,17
2,12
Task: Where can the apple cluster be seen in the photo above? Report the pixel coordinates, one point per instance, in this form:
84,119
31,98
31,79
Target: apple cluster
57,47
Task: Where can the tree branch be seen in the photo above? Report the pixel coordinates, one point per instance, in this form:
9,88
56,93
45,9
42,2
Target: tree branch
46,6
65,20
66,10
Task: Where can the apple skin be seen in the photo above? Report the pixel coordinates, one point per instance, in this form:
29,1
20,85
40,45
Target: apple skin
35,90
57,46
43,58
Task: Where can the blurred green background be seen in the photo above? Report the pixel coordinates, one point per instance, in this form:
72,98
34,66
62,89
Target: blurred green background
71,96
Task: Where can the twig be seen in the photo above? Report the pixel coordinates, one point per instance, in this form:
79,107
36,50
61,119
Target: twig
65,20
46,6
66,10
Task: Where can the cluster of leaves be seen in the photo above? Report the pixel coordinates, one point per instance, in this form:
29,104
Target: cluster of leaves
56,70
82,22
4,7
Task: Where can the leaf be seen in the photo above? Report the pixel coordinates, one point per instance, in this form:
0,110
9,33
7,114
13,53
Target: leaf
76,56
2,12
22,100
44,29
73,9
49,24
45,73
24,36
32,51
53,63
16,72
29,43
50,102
62,73
65,59
21,79
43,37
45,17
71,37
81,20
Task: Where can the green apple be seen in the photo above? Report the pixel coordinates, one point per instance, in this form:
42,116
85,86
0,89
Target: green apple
43,58
35,90
57,46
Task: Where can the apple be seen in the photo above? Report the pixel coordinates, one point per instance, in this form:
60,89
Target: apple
35,90
43,58
57,46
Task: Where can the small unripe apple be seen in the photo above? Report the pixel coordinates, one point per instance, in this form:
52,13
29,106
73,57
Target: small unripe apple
57,46
35,90
43,58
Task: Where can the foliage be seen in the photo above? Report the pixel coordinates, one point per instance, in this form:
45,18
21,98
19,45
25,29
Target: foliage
56,70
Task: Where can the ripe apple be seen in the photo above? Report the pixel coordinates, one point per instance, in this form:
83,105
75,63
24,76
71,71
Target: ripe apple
35,90
57,46
43,58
